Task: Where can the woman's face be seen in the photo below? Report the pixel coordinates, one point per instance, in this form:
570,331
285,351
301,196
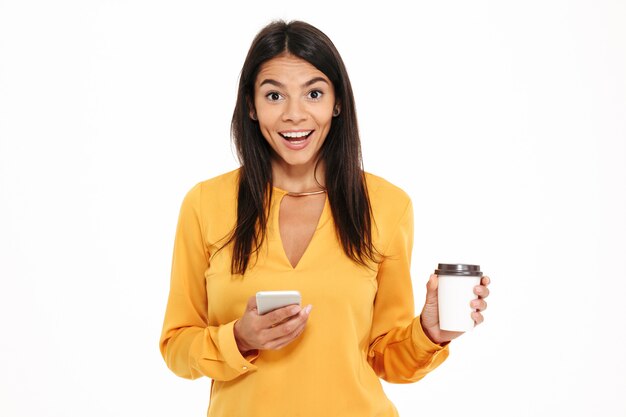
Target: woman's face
294,104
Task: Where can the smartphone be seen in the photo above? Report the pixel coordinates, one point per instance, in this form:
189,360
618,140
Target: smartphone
267,301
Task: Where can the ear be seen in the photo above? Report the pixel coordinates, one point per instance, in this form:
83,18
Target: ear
337,109
252,112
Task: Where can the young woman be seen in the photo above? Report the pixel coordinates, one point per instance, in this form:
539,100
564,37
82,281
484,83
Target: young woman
299,214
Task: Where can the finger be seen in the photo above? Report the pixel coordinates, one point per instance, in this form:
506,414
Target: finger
481,291
480,304
302,321
281,342
485,281
291,326
285,339
478,318
274,318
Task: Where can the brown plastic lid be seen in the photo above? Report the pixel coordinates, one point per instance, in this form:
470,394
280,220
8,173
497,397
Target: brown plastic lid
460,270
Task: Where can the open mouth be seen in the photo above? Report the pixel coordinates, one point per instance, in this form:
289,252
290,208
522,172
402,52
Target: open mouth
296,137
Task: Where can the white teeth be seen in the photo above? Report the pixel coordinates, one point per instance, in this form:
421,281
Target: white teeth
296,134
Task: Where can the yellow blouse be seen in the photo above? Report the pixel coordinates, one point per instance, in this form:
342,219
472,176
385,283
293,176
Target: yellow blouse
361,327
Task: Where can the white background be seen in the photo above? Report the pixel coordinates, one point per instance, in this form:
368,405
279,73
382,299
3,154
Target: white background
504,121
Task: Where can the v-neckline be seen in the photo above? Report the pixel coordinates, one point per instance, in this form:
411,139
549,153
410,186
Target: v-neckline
275,219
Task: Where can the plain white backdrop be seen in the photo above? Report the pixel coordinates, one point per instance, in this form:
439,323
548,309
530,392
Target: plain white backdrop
504,121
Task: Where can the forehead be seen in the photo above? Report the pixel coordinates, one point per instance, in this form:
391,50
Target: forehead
288,68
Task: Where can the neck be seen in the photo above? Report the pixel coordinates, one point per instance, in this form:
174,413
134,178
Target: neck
299,179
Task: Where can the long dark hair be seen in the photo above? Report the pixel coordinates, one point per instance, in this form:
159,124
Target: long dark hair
341,151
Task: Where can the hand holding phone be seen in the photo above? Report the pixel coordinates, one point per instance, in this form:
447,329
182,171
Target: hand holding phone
271,321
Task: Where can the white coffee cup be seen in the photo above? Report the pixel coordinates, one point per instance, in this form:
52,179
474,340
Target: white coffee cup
455,292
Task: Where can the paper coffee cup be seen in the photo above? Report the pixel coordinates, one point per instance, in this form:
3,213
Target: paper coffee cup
455,292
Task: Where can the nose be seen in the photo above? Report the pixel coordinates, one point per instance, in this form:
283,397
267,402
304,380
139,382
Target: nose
295,111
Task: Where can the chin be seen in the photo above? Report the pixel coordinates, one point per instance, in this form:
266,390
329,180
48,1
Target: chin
298,163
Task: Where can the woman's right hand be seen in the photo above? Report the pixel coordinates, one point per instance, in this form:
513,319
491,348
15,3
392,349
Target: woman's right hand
273,330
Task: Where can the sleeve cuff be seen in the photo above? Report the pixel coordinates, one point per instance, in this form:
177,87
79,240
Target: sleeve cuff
230,352
422,341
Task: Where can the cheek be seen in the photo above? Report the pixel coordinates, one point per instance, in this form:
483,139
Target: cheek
268,115
267,134
265,118
325,119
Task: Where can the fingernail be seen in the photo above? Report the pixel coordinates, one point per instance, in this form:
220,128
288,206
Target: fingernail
308,308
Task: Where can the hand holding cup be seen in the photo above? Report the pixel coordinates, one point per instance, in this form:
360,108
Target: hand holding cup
454,302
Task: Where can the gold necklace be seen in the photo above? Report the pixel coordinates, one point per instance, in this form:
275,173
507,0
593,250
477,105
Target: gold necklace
306,193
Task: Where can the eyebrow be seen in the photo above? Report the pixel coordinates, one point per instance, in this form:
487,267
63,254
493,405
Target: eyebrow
281,85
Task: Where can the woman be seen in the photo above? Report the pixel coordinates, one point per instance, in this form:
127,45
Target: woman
299,214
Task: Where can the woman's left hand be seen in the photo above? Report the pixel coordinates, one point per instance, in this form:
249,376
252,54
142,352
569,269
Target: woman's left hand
430,312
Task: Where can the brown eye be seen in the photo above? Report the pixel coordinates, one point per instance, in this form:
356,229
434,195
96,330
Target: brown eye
273,96
316,94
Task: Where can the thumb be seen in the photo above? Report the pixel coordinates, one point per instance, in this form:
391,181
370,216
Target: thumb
251,303
431,287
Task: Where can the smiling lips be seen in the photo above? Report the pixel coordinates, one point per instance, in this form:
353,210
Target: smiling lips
296,139
295,134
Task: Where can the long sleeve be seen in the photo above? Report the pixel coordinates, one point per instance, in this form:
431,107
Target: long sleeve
399,350
189,346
